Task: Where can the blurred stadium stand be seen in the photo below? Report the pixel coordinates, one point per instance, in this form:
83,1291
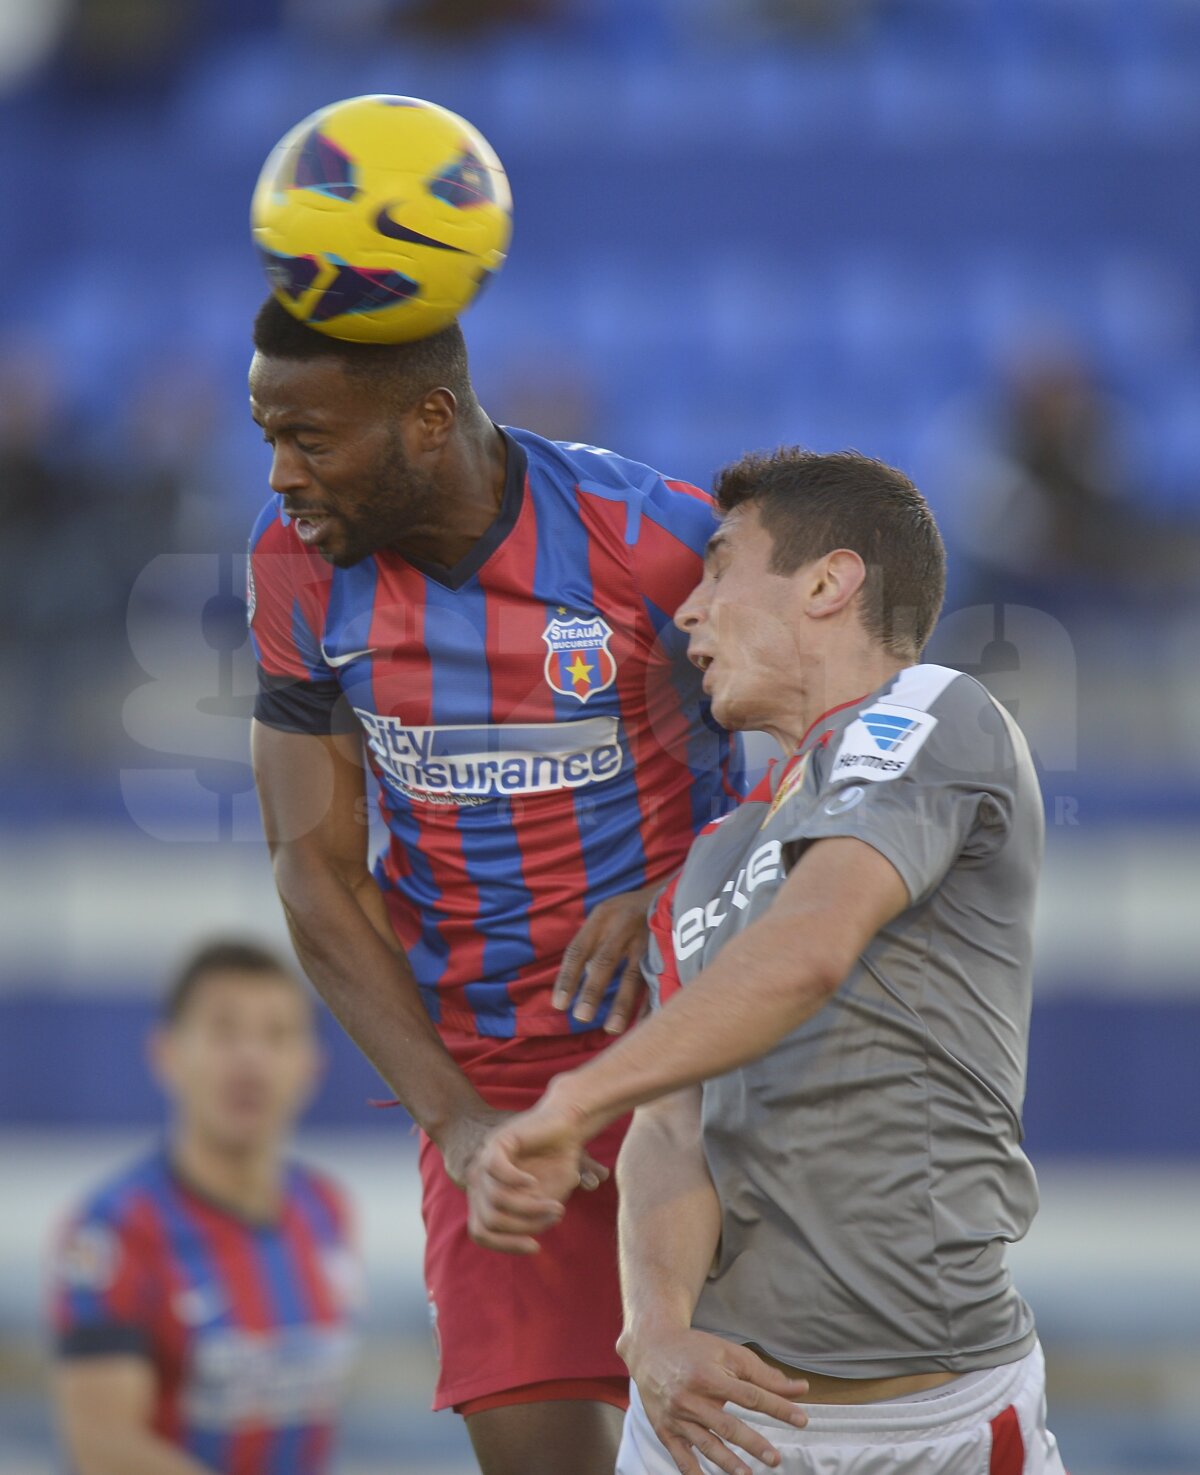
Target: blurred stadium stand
738,222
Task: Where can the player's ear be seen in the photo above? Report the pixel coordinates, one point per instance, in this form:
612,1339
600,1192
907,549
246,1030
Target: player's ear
434,418
833,582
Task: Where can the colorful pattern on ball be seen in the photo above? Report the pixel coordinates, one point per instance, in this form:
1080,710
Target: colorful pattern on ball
378,219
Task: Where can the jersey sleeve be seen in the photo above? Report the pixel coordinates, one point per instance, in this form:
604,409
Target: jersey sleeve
102,1293
659,968
922,787
287,594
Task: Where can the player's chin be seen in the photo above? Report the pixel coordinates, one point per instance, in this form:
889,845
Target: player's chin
730,709
344,552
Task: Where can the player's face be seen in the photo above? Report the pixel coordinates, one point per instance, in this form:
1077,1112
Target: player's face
339,458
743,624
241,1060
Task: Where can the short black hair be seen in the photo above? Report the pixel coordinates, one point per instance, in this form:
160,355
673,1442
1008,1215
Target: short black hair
406,371
811,504
221,955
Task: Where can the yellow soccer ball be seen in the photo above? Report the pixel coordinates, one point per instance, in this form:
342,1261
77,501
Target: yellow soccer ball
379,219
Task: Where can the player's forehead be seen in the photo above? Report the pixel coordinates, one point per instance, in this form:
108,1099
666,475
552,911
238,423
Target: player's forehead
318,390
736,529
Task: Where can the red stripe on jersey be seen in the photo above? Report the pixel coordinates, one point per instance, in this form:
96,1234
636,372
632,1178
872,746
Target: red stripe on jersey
762,792
1008,1448
662,930
286,575
402,680
655,727
614,594
691,491
249,1451
676,571
514,628
666,569
170,1335
231,1247
402,688
334,1205
316,1447
304,1248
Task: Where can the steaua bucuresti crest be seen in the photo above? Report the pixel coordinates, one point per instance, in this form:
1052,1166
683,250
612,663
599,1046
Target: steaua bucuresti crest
578,661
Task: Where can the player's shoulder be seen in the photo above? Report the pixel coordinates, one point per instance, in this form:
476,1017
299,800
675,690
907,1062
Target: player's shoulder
965,711
935,714
271,529
112,1211
320,1192
597,468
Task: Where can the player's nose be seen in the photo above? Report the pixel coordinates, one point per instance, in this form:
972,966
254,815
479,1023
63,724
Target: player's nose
691,611
288,473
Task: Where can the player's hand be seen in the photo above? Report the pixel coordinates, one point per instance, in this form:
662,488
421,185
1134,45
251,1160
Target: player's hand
521,1179
462,1140
616,929
686,1378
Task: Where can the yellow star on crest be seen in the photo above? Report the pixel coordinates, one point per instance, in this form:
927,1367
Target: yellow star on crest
579,670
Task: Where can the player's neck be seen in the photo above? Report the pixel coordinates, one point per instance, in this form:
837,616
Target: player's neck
471,486
836,683
248,1183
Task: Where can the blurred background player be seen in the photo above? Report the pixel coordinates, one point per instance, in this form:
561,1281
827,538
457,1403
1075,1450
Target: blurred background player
489,614
203,1297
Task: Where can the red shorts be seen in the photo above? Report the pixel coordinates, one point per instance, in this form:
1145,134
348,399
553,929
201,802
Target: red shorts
503,1322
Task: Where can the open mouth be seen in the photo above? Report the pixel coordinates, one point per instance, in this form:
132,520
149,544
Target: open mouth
310,527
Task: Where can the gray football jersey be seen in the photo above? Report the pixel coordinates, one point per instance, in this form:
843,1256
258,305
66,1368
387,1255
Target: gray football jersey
869,1168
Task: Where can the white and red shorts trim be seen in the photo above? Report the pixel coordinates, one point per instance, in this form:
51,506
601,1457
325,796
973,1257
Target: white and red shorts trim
987,1423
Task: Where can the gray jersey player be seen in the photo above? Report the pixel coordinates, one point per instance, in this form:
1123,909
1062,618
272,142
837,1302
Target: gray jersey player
825,1166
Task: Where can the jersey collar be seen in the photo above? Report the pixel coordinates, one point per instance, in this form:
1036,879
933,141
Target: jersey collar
506,519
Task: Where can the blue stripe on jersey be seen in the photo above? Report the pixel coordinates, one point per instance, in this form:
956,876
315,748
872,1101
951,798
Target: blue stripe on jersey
356,589
709,747
688,520
280,1279
562,576
351,609
429,955
633,497
314,1208
201,1276
307,645
493,864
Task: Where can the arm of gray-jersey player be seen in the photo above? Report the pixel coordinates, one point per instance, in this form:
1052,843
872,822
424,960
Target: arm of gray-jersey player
669,1220
765,983
670,1225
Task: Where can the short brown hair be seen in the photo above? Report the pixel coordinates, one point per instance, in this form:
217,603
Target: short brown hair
811,504
221,955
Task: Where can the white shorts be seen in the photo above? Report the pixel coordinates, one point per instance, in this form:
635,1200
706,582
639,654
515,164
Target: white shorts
992,1423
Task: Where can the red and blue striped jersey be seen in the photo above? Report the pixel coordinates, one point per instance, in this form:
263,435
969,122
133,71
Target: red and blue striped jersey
248,1326
539,738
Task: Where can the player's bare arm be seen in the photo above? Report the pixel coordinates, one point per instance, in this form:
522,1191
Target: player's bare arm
311,789
105,1406
669,1228
764,984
